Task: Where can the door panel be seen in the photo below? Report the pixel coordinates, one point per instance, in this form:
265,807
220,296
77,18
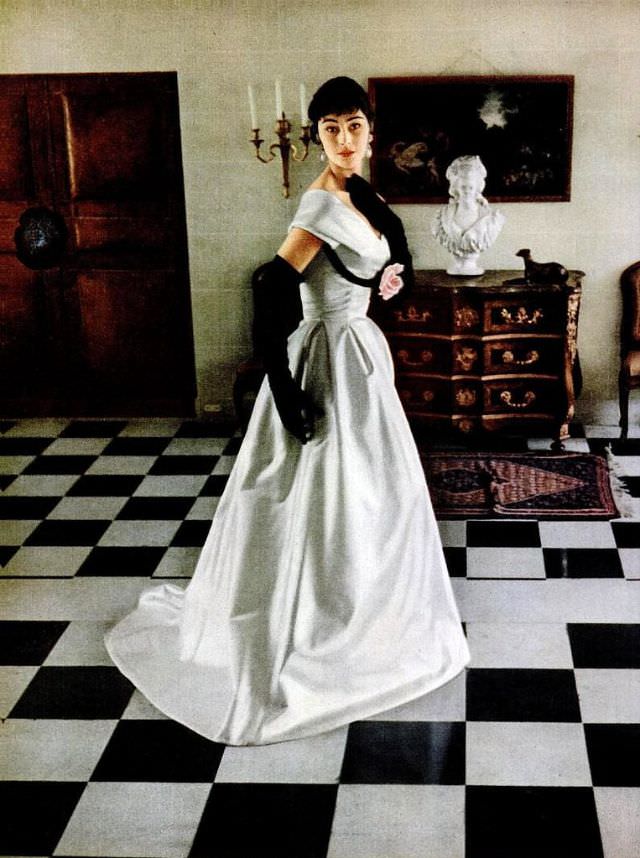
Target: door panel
113,315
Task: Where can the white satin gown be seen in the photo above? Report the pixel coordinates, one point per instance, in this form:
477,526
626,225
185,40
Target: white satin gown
321,595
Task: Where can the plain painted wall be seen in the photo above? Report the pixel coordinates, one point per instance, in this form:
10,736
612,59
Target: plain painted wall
236,214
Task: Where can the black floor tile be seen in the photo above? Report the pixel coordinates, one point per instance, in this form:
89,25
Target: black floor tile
632,485
404,752
456,558
521,695
162,751
605,645
204,429
191,534
59,465
35,815
67,532
233,447
174,465
122,561
6,480
23,446
266,820
614,754
5,425
28,642
582,563
146,446
214,486
109,485
626,534
507,534
159,509
74,692
93,429
6,553
531,822
26,508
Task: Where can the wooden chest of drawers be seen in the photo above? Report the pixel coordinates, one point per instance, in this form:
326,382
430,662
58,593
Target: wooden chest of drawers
483,353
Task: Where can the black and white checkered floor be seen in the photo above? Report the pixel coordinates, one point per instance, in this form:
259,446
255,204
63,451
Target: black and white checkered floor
534,753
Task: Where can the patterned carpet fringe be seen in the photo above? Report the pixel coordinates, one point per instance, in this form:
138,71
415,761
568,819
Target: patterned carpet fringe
619,490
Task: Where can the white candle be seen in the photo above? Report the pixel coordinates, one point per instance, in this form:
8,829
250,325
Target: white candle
278,99
303,105
252,107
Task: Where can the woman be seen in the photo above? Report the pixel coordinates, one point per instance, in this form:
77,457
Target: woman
321,595
467,225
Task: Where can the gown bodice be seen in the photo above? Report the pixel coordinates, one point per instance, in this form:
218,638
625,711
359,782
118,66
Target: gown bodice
325,294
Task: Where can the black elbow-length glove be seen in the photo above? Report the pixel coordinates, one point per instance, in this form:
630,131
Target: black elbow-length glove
277,312
380,216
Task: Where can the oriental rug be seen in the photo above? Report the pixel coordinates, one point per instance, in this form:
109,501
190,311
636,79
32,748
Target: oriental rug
519,485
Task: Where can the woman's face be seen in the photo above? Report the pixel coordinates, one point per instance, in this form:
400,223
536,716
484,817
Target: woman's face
345,138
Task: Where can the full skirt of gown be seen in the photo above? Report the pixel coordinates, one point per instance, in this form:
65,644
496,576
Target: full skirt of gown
321,595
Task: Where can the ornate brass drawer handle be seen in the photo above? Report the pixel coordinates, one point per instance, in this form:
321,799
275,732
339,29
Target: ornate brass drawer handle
425,357
412,315
466,317
528,398
465,357
521,316
465,397
407,396
508,357
428,395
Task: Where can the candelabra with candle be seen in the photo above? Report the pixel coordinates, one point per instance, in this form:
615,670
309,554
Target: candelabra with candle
283,144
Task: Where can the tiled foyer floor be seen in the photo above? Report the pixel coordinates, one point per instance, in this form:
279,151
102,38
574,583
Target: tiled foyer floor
534,753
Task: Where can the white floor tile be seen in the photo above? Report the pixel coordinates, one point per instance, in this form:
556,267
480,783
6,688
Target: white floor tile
453,533
13,681
619,816
447,703
41,485
398,821
141,709
58,561
177,562
629,465
519,645
38,427
576,534
150,533
505,563
630,560
224,465
151,428
609,696
81,644
196,447
526,754
84,509
82,599
121,466
316,760
77,447
135,819
604,600
52,749
181,485
204,509
14,464
15,532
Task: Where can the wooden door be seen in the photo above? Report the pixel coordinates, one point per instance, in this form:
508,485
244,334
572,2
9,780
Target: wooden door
113,312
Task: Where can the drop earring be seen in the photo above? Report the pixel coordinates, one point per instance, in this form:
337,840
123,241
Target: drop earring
369,151
323,157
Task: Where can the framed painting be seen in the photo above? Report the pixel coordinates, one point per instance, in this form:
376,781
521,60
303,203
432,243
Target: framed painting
521,127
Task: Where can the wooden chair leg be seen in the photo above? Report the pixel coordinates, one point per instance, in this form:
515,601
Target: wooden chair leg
623,395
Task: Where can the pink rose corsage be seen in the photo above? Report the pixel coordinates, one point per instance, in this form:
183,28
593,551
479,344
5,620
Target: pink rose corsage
391,282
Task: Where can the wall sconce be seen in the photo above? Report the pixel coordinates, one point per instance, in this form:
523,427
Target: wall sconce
283,128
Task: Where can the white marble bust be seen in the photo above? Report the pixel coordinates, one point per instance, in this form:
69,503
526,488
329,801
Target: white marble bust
467,225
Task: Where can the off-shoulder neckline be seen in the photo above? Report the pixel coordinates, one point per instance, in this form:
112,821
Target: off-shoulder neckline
367,225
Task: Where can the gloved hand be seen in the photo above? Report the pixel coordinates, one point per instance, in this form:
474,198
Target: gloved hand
277,311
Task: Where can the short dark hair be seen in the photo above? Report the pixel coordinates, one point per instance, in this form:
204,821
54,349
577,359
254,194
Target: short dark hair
338,95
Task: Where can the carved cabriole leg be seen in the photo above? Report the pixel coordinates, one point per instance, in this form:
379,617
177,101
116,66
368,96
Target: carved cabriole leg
623,395
570,353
